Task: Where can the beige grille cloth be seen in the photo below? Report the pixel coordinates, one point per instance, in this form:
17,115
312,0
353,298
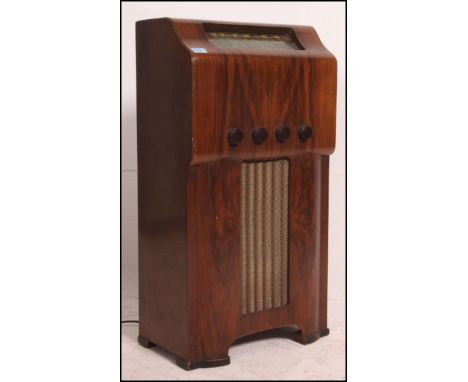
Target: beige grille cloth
264,235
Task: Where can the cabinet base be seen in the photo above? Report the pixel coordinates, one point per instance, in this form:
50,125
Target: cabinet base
187,365
190,365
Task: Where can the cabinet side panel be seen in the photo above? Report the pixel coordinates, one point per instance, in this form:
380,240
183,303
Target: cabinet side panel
305,212
164,144
324,243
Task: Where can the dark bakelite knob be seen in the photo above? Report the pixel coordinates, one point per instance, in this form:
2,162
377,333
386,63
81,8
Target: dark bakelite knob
259,135
235,137
304,133
282,134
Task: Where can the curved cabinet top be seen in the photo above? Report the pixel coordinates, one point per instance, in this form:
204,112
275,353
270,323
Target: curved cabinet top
259,86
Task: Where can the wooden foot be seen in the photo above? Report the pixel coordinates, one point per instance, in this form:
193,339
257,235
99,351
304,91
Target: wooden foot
145,343
308,339
185,364
324,332
188,365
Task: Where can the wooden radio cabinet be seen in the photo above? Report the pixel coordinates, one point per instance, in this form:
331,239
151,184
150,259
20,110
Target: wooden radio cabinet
236,123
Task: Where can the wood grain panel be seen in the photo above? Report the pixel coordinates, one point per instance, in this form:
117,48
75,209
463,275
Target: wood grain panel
246,92
214,261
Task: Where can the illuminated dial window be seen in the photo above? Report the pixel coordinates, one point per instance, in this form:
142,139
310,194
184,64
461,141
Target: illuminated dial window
250,40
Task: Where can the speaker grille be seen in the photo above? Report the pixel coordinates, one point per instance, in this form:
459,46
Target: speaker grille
264,235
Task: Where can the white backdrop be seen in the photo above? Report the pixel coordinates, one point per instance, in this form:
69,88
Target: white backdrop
407,190
329,21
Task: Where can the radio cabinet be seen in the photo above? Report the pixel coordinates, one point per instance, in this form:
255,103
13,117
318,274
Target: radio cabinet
235,125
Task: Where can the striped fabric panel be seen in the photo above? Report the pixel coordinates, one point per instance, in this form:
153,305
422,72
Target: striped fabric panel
264,235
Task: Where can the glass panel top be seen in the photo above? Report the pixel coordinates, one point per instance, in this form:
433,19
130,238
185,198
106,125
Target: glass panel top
251,40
